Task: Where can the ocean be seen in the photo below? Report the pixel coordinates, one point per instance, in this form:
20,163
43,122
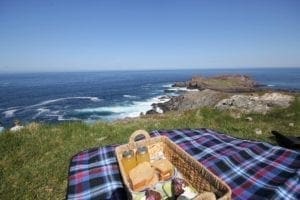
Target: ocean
108,95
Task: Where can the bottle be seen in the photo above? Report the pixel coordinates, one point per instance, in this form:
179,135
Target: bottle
142,155
128,160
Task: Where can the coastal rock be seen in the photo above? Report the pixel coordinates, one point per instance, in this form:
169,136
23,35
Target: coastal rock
277,99
16,128
225,83
192,100
165,97
151,112
180,84
170,105
249,119
291,124
236,93
258,131
255,103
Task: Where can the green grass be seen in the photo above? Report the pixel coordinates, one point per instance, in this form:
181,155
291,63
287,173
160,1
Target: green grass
34,162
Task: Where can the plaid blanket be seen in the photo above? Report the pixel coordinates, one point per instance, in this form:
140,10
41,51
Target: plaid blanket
253,170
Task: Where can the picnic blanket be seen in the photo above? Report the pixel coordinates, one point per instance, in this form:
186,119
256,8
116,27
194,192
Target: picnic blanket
253,170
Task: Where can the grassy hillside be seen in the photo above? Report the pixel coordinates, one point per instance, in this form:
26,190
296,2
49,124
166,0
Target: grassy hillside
34,162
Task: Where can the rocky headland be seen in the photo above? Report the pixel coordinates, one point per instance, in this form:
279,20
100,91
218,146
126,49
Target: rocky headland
237,93
224,83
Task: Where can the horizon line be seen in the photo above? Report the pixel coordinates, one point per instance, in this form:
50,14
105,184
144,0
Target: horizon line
146,69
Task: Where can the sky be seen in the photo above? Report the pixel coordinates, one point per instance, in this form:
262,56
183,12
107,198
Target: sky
81,35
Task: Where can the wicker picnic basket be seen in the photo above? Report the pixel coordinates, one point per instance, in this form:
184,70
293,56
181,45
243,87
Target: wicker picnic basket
192,170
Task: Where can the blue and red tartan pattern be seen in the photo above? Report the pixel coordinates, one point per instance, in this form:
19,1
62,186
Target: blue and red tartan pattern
253,170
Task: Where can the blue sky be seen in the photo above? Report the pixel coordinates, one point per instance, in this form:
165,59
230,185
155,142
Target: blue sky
72,35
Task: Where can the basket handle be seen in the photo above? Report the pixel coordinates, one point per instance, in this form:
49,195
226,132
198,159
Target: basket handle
137,133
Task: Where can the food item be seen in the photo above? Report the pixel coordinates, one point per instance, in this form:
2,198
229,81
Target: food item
189,193
178,186
156,151
142,155
168,189
164,167
154,180
141,176
128,160
164,177
139,196
153,195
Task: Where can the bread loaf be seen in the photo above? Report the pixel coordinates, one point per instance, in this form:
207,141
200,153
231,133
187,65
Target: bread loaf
164,167
141,176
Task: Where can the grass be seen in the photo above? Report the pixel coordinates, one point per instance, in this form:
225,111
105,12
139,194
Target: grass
34,162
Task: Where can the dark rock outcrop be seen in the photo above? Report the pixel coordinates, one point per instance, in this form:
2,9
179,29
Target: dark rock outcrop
180,84
192,100
240,103
151,112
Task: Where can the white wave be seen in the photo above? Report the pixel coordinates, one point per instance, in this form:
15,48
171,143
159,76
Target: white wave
169,85
54,112
12,110
43,103
10,113
161,99
271,85
61,118
129,110
159,110
180,89
129,96
95,99
40,111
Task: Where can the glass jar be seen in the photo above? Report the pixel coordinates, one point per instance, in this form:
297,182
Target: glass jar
128,160
142,155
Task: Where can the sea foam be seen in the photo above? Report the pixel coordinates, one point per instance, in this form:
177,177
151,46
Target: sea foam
9,113
94,99
40,111
129,96
41,108
134,109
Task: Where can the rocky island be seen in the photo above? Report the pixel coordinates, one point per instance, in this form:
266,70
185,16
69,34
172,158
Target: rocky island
223,83
237,93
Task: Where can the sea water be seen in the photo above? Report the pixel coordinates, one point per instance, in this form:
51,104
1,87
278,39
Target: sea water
108,95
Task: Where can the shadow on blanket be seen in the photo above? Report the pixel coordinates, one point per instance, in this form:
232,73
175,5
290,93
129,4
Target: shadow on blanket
290,142
119,194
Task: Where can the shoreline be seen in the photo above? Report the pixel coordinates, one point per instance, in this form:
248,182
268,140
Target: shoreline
238,93
134,109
